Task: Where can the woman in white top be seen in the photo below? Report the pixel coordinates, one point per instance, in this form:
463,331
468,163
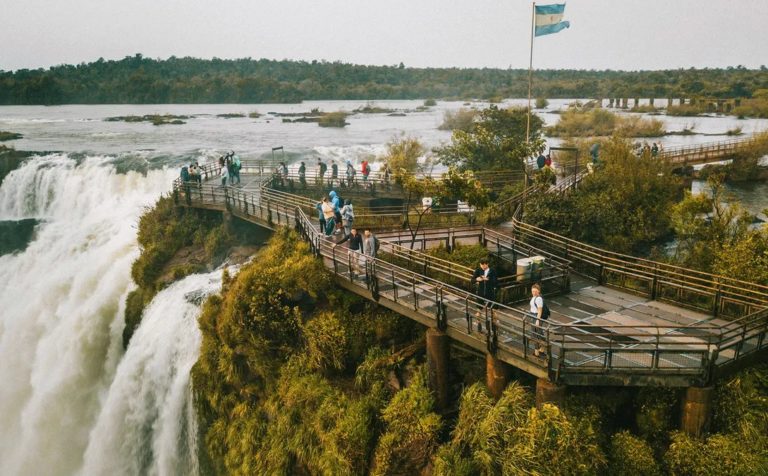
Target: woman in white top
224,174
537,308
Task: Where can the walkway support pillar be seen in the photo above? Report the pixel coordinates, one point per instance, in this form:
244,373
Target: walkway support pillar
549,392
697,410
437,361
496,375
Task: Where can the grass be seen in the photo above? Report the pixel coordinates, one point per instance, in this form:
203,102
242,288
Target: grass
333,119
599,122
541,103
371,108
155,119
231,115
5,135
687,110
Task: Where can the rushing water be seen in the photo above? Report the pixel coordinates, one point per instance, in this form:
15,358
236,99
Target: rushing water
71,400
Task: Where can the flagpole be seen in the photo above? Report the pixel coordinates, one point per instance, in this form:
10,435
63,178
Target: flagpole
530,74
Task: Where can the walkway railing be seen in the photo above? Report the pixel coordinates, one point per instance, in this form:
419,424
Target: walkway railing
712,151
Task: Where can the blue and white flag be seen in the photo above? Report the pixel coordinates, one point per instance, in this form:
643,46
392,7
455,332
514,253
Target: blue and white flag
549,19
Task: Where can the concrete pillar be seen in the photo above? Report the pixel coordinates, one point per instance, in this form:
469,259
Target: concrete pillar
625,103
548,392
599,102
610,102
737,102
650,101
697,410
437,361
682,101
636,102
670,102
496,375
728,107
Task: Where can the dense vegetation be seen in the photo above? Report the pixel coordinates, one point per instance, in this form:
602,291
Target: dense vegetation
136,79
298,377
600,122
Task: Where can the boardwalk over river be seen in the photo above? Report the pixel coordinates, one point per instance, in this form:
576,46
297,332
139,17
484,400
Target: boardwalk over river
616,319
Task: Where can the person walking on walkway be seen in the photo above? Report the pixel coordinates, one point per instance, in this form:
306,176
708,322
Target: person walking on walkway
370,244
539,313
224,174
327,223
348,216
484,278
356,257
236,166
350,174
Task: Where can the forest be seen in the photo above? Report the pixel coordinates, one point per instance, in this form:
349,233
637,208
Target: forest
139,80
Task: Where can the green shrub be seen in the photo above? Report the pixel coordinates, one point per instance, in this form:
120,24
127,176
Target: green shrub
430,102
718,455
655,414
541,103
631,456
326,342
462,119
333,119
600,122
411,430
5,135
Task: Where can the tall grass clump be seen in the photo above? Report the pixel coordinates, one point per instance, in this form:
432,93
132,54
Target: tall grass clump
599,122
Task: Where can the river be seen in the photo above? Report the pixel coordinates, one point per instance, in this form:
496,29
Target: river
72,401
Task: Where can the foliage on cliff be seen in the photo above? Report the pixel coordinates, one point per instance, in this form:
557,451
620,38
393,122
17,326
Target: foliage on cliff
164,229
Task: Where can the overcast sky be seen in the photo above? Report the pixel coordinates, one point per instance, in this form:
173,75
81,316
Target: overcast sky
604,34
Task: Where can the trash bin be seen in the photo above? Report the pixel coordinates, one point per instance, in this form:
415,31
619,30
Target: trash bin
524,269
537,265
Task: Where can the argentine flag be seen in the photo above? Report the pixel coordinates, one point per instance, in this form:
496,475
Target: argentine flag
549,19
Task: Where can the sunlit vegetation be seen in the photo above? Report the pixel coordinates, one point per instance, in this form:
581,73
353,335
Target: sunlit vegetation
333,119
755,108
462,119
624,206
164,230
497,141
541,103
430,102
231,115
5,135
600,122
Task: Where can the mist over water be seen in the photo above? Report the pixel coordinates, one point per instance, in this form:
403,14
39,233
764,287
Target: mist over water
61,304
147,422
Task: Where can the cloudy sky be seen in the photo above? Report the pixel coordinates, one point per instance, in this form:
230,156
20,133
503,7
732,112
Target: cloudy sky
604,34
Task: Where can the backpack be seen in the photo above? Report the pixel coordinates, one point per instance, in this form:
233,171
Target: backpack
545,313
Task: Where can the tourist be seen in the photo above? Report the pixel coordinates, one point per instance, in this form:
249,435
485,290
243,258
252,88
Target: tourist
539,313
334,173
366,169
303,175
321,169
370,244
485,280
283,174
654,150
224,173
328,220
236,166
548,160
348,216
356,257
540,160
386,175
336,203
350,174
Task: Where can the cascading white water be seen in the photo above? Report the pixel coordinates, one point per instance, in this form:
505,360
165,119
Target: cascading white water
147,423
61,315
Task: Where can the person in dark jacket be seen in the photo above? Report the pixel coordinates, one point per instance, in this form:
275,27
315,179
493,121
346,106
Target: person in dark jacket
356,257
485,279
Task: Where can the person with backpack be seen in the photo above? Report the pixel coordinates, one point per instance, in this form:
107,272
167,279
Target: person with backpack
540,314
348,216
326,216
484,278
370,244
336,203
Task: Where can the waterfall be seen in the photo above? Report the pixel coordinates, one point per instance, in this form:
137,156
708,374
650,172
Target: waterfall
147,423
61,314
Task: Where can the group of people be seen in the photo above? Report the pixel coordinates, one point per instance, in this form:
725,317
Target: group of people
322,169
335,215
486,281
191,173
230,169
645,149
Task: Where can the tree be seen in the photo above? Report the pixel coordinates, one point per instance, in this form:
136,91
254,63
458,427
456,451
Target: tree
496,142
